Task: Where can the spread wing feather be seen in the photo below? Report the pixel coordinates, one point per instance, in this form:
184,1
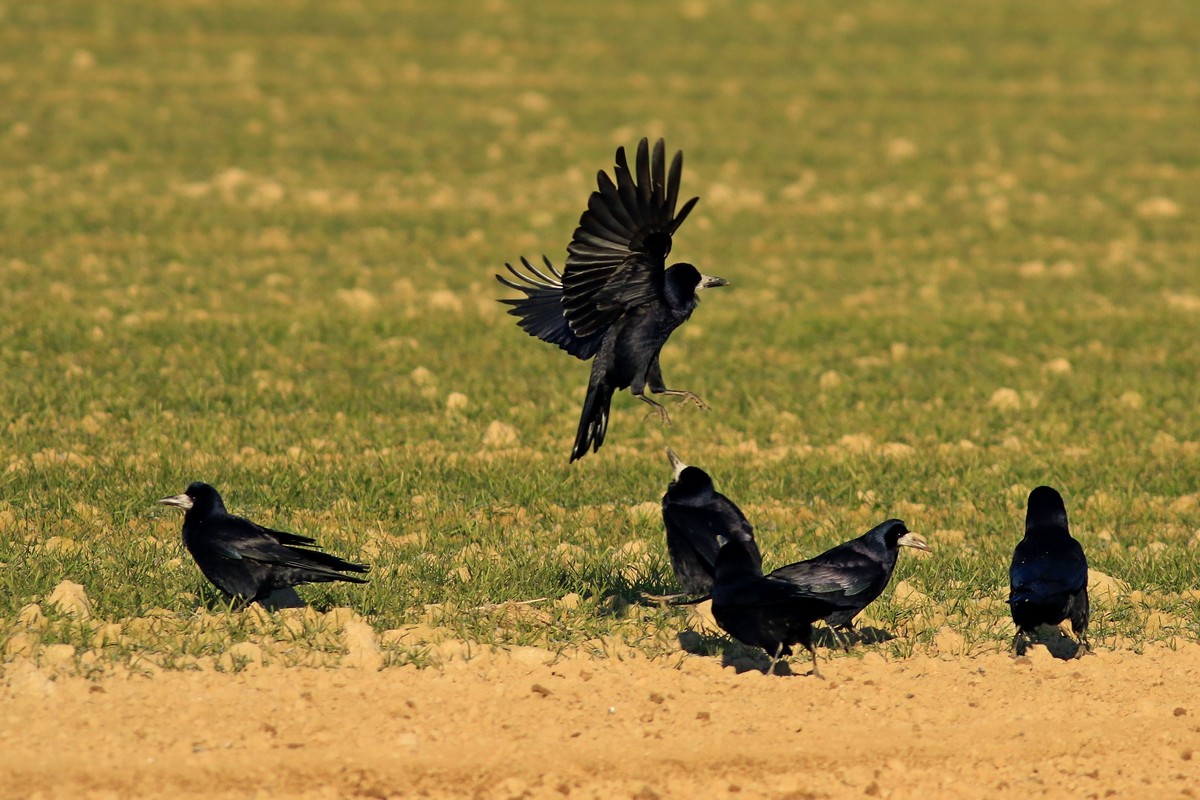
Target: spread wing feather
540,312
618,253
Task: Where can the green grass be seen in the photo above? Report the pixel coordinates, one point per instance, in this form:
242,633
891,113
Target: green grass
254,246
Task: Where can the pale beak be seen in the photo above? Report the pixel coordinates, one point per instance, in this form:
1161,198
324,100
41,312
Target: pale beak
709,281
676,463
911,539
178,500
721,540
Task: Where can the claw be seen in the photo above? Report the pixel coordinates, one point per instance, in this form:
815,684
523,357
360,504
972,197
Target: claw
662,415
658,409
685,396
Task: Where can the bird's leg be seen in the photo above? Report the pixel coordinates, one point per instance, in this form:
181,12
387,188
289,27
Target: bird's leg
839,639
816,672
654,380
670,599
683,396
775,659
659,409
848,631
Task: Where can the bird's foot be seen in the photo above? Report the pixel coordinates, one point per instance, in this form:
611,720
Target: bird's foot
685,396
659,411
816,672
667,599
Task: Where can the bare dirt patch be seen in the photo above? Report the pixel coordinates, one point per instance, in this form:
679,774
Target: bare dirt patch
520,724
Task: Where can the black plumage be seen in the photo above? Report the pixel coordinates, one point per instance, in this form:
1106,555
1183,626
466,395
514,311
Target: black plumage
695,514
248,561
770,612
616,301
851,575
1049,573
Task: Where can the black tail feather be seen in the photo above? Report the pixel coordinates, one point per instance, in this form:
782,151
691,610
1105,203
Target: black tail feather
320,562
593,422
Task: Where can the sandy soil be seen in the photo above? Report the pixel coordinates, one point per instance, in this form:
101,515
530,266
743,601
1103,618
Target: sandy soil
519,724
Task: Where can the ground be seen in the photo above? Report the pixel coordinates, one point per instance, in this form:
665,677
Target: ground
521,723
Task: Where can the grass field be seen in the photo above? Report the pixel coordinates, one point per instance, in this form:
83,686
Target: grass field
254,245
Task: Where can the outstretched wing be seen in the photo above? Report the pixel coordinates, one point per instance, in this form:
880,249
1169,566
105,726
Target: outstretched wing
540,312
618,253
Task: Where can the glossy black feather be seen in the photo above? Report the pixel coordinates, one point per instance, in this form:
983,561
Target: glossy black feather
694,514
770,612
540,314
249,561
853,574
616,301
1049,573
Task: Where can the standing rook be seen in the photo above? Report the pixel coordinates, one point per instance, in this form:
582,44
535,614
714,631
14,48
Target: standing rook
248,561
617,301
770,612
695,514
1049,573
851,575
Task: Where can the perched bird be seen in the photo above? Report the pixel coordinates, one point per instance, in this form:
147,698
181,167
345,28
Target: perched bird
1049,572
770,611
851,575
695,514
246,560
617,301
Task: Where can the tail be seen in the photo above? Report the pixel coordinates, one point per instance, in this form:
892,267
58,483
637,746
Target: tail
593,422
322,566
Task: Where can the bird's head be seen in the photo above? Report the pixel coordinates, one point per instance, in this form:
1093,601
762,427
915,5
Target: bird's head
684,282
896,534
199,497
734,560
687,481
1046,511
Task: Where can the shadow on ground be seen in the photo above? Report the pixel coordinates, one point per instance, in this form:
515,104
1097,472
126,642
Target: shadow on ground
1053,639
280,598
844,640
735,654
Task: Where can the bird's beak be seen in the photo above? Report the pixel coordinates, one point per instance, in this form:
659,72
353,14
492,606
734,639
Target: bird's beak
177,500
709,281
721,540
911,539
676,463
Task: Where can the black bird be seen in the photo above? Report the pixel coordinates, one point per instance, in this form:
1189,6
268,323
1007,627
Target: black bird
617,301
770,611
1049,572
695,514
851,575
246,560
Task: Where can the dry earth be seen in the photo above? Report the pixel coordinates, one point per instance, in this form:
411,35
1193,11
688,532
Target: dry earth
520,723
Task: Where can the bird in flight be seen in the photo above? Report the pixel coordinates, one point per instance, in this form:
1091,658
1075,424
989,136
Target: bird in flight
695,514
851,575
1049,572
248,561
616,301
